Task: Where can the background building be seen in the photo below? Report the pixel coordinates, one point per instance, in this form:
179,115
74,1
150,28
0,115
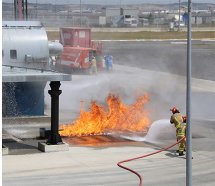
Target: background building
141,15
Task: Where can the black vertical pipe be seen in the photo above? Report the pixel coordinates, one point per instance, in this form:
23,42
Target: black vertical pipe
23,10
26,10
54,137
15,9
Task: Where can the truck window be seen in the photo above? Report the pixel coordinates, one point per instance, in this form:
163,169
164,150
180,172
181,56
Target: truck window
82,34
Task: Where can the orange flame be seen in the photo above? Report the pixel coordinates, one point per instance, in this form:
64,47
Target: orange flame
118,117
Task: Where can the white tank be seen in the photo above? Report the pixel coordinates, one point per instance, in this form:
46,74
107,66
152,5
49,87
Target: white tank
25,44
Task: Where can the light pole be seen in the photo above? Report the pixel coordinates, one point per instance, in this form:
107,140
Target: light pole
80,14
188,102
179,14
36,9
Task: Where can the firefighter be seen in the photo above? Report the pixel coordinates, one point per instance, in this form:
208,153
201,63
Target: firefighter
108,62
181,135
185,122
94,65
177,120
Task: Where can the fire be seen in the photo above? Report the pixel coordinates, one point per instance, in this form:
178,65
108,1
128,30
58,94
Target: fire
118,117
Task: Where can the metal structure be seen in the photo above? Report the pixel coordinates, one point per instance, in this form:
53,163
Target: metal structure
20,75
21,9
25,44
188,101
26,56
54,138
20,48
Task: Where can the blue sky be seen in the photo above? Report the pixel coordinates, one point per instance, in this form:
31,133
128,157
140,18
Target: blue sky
106,2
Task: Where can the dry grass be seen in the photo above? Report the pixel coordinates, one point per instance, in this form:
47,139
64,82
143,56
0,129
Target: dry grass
54,35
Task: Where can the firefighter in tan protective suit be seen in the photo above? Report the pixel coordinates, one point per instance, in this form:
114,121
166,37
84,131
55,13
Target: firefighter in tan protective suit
177,120
94,65
182,134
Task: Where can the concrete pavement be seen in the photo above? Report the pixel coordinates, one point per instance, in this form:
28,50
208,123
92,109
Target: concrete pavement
86,166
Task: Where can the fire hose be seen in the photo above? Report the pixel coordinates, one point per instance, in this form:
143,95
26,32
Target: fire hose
146,155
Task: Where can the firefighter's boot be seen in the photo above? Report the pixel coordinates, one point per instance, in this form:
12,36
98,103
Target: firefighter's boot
181,153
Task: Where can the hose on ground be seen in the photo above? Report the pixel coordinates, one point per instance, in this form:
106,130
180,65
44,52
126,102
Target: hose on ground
146,155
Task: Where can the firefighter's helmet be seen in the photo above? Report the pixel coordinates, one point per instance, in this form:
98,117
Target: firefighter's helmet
184,119
174,110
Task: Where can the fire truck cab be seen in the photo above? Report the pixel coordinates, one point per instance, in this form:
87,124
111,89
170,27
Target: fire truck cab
78,51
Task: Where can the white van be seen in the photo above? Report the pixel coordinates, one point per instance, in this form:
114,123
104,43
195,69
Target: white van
130,22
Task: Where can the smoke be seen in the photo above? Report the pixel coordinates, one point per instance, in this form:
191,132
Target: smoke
164,71
127,82
88,88
163,62
156,68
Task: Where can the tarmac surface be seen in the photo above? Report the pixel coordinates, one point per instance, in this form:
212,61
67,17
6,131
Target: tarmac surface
92,160
165,56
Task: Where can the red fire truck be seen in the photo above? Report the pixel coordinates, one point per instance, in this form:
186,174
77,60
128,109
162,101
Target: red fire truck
78,51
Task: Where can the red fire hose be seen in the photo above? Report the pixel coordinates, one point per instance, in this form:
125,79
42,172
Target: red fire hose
146,155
